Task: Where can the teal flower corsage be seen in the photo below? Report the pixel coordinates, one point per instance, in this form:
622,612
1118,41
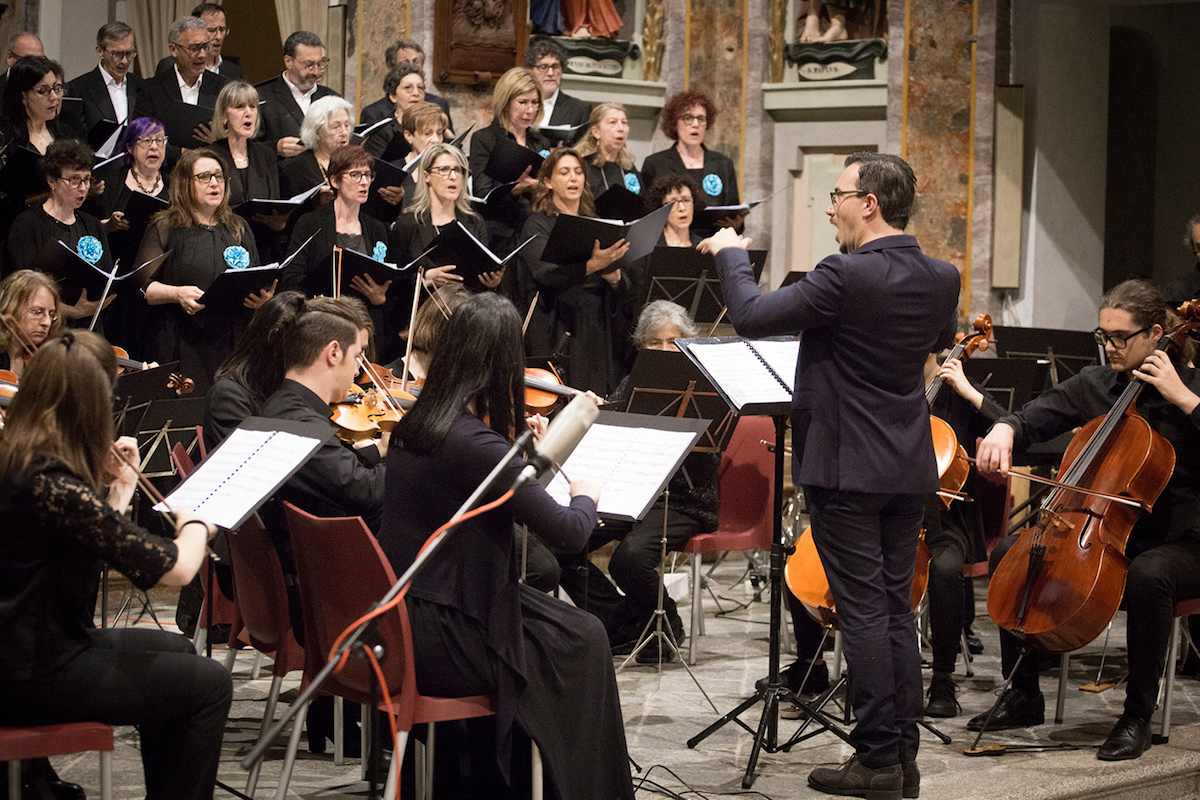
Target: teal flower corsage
89,249
632,183
237,257
380,252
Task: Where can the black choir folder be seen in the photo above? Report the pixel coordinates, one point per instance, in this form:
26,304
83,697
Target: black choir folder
572,237
285,206
139,209
631,457
617,202
754,376
236,478
509,160
228,292
471,258
182,119
75,274
348,263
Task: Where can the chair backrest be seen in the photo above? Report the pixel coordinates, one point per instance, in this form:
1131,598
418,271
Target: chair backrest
747,479
261,593
225,612
342,574
183,462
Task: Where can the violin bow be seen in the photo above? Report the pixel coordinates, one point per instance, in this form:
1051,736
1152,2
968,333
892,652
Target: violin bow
22,337
144,483
388,400
412,318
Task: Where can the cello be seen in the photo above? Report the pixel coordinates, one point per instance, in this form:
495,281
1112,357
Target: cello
952,464
1061,583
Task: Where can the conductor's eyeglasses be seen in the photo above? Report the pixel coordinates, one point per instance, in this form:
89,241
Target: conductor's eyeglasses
837,194
1118,340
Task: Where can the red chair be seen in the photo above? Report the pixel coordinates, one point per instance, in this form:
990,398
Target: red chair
264,613
224,610
342,574
747,480
43,741
1183,609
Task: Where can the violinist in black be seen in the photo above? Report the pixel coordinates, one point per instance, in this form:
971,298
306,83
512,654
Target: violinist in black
1164,546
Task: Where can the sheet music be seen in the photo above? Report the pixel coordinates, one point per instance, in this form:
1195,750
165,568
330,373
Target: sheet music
628,464
234,480
740,374
781,357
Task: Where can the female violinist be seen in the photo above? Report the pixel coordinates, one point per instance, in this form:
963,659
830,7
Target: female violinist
1164,546
582,299
62,491
204,238
30,299
476,628
67,167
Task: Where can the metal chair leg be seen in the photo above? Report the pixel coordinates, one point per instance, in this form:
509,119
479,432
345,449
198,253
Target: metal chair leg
389,791
538,773
1061,703
230,659
289,759
106,780
268,718
14,779
697,610
966,654
339,730
1169,684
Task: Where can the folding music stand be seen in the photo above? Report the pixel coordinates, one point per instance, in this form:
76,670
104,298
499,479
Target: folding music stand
690,278
164,423
1067,351
668,384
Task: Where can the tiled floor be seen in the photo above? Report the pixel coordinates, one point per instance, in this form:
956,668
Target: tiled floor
664,709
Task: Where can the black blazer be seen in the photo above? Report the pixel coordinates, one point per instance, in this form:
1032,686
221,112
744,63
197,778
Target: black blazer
227,69
156,95
860,422
261,177
96,105
569,111
281,116
316,255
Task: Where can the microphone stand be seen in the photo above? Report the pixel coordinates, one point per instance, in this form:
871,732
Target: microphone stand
522,444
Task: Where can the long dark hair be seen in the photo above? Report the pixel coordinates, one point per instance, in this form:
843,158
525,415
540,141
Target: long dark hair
64,409
23,75
257,360
478,358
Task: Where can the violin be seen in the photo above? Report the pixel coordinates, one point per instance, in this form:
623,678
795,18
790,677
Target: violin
1060,584
543,388
385,380
364,414
805,577
124,362
952,464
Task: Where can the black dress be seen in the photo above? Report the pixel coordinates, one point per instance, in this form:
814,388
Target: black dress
55,667
595,314
601,177
717,179
504,217
477,630
258,180
201,342
299,174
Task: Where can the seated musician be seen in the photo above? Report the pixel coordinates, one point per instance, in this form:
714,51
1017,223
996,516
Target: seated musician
62,491
476,629
1164,546
955,534
321,356
30,300
67,167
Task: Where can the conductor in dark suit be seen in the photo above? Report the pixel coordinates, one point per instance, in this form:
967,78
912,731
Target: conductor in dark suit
397,53
110,91
861,441
286,99
546,58
214,18
187,82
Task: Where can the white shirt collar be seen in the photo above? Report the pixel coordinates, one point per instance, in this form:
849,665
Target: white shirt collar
109,80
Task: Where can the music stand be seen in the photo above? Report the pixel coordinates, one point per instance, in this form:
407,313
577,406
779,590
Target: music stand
690,278
164,423
668,384
766,736
1067,351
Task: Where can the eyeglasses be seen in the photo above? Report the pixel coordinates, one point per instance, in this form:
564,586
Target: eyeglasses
121,55
152,141
194,49
314,66
215,31
209,177
446,172
837,194
692,119
1118,340
45,90
359,177
75,181
42,313
680,201
545,69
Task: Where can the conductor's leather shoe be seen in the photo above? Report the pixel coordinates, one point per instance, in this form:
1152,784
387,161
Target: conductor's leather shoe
853,779
912,779
1014,709
1129,739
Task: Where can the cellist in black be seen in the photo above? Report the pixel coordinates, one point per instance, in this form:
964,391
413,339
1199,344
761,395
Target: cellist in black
1164,546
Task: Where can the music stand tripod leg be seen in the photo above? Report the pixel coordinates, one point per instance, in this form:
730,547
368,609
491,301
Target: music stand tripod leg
1003,689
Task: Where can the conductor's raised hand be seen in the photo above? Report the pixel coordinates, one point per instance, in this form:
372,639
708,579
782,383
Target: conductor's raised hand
725,237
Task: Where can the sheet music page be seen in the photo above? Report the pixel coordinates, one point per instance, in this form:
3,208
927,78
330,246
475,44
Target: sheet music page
781,356
628,464
239,474
740,374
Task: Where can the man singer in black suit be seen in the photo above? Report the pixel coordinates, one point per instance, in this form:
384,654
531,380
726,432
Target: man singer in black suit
110,91
547,58
285,100
214,17
861,441
187,82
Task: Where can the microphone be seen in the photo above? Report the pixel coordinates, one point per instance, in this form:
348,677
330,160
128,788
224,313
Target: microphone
562,436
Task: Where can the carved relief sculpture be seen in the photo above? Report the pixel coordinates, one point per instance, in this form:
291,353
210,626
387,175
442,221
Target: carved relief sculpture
475,41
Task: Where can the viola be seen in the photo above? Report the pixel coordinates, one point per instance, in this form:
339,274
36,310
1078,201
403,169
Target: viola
1060,584
805,578
952,465
124,362
8,389
364,414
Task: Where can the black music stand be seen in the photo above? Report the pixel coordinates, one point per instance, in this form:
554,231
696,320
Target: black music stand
664,383
690,278
165,423
1067,351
